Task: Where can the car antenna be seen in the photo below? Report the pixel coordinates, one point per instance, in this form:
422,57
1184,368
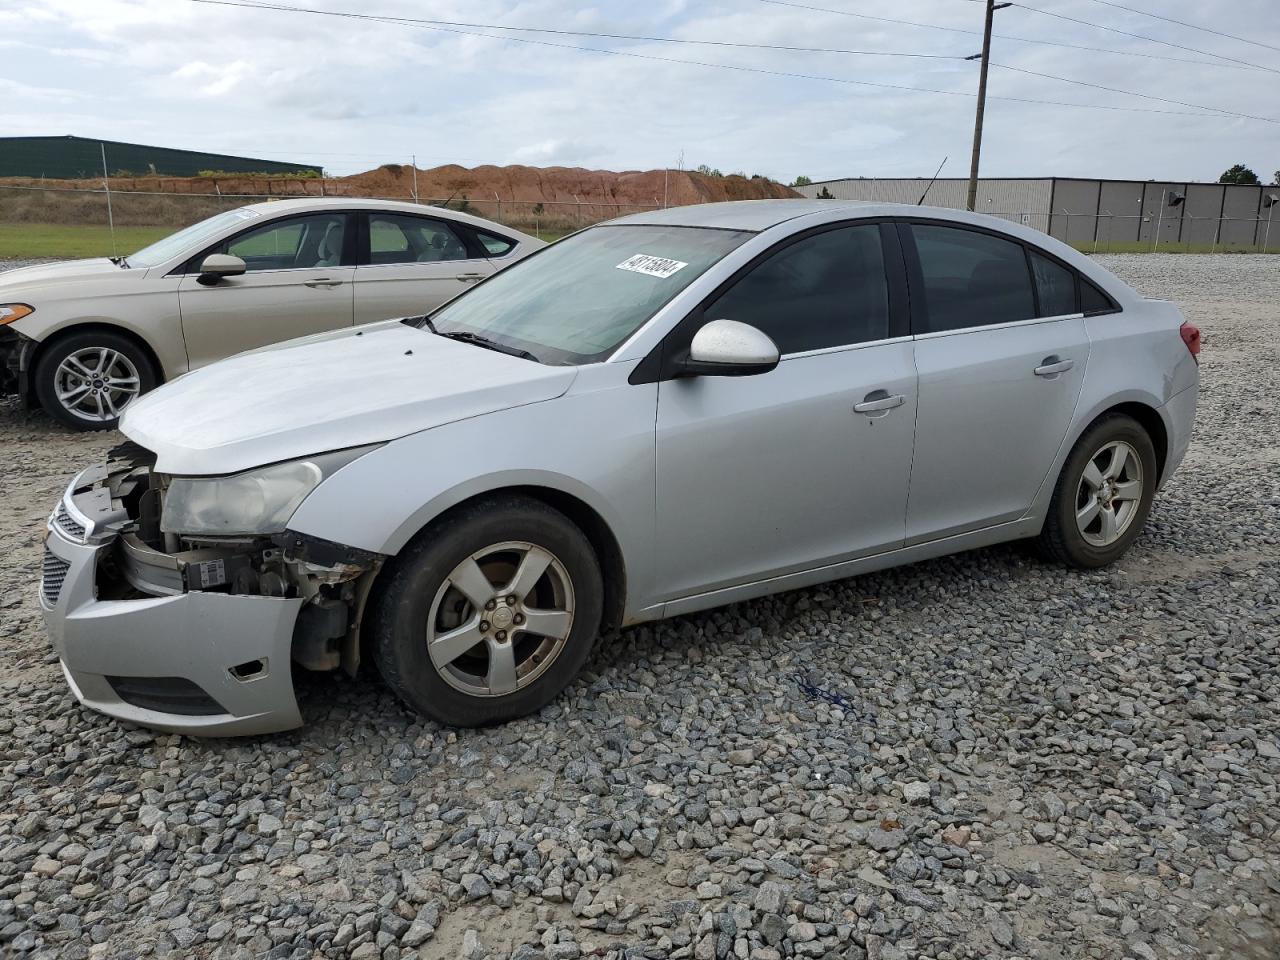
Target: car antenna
920,202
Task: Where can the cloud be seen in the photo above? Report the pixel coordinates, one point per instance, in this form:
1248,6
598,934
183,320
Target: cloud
352,93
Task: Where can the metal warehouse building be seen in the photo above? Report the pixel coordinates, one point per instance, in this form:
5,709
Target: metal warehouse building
73,158
1085,212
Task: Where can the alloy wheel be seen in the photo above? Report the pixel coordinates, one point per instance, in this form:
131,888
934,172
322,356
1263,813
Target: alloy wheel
96,383
1110,494
500,619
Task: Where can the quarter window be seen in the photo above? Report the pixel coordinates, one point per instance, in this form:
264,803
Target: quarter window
291,244
409,239
1093,300
827,290
494,245
1056,286
972,279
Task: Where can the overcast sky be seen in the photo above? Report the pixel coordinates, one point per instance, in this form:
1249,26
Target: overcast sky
351,94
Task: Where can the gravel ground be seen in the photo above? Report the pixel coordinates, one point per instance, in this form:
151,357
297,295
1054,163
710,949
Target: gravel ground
980,756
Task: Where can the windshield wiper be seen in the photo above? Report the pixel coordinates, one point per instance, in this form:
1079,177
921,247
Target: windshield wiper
463,336
121,262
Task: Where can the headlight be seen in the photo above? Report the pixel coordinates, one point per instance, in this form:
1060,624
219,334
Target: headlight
10,312
256,502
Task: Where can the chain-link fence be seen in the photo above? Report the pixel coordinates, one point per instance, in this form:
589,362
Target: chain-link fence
1139,233
135,217
38,220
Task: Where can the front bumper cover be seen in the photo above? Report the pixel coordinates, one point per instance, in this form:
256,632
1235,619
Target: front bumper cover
204,639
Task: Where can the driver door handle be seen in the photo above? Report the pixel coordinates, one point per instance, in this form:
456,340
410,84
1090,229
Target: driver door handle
321,282
879,400
470,277
1052,366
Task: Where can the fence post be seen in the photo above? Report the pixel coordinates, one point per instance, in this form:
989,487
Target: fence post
106,188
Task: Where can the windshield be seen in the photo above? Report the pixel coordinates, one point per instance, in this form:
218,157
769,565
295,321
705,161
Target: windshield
579,299
188,237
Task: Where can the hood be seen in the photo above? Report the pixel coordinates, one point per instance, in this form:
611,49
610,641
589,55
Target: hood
328,392
40,274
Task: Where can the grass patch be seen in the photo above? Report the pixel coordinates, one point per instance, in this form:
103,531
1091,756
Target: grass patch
30,241
1133,246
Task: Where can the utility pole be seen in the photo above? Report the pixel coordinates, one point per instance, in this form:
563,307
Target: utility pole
985,57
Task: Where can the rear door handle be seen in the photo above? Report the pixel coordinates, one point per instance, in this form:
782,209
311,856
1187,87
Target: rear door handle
879,401
1052,366
321,282
470,277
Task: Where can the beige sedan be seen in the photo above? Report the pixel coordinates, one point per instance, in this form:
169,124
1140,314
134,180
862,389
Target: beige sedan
83,338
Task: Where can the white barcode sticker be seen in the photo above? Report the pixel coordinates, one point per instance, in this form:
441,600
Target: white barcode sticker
661,267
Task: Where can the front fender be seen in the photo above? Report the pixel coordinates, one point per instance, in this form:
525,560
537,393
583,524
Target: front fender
596,446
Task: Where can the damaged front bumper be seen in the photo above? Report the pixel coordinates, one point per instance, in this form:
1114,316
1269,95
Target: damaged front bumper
196,639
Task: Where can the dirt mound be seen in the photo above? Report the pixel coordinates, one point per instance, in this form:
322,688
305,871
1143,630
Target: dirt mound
562,185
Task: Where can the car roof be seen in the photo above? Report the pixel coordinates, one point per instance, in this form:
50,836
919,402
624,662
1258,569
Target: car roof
759,215
275,208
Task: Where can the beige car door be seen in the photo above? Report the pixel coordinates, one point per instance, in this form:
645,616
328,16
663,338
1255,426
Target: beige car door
414,264
295,284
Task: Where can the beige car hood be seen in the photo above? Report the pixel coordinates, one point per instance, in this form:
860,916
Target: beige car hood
329,392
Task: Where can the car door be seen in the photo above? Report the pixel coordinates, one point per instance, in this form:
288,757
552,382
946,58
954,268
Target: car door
1001,360
807,464
297,281
414,264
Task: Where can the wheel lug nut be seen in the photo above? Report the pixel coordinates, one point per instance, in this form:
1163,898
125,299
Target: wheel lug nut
519,618
512,600
491,604
484,626
501,636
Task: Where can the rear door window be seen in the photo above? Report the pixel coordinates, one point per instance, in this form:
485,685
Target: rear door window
394,238
971,279
1056,286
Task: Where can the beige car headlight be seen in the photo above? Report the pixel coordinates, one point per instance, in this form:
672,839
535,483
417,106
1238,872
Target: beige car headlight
259,501
10,312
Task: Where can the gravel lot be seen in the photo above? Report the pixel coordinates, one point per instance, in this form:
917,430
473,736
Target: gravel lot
980,756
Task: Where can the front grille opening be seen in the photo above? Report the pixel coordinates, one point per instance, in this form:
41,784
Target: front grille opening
53,573
67,523
250,669
166,695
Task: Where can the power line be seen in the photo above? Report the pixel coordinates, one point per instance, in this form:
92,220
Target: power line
1137,36
1004,36
1184,23
1131,93
281,8
424,22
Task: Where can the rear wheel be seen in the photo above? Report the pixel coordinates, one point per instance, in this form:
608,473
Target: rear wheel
87,379
490,613
1103,496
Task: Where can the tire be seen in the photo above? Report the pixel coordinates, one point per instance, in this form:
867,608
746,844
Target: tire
62,368
465,684
1073,533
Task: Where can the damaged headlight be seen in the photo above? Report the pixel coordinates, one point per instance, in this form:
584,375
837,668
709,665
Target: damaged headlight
258,501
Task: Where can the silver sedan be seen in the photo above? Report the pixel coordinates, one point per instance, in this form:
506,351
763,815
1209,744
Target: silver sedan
657,415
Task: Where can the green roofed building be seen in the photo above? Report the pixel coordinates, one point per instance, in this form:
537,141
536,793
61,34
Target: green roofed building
73,158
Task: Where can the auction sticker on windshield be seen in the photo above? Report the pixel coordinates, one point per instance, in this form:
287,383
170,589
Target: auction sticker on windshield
661,267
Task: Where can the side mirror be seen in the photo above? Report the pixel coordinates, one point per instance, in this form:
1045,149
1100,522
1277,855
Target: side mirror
219,265
727,348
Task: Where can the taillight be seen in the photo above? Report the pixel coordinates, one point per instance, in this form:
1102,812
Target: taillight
1191,337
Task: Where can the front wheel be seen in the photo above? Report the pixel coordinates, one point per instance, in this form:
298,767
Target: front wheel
490,613
87,379
1103,495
